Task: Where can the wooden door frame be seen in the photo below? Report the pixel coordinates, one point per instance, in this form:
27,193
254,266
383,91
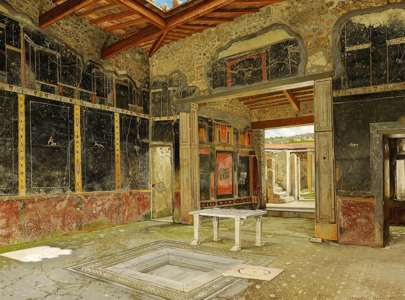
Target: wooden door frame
377,133
155,145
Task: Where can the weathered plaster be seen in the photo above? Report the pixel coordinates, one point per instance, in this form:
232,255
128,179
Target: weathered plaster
86,39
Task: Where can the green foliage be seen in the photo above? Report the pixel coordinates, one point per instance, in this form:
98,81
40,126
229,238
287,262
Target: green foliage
177,216
300,141
147,216
95,225
164,213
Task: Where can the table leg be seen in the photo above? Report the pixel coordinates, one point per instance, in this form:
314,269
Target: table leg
196,240
259,231
216,229
238,226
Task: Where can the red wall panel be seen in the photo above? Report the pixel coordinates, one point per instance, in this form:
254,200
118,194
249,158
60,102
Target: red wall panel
224,173
47,216
356,222
101,209
8,222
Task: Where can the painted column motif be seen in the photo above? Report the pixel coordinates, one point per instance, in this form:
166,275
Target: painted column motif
195,168
185,168
78,151
117,152
21,145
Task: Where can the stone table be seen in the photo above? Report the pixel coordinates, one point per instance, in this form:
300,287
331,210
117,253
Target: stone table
238,215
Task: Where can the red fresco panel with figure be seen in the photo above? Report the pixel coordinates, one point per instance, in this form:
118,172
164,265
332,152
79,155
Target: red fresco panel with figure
223,134
224,175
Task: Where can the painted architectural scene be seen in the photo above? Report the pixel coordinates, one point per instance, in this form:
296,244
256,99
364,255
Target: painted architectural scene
202,149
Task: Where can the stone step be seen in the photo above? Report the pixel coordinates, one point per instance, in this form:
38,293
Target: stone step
292,207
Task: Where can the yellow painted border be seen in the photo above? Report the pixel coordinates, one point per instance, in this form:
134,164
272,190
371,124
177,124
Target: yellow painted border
78,150
21,145
117,152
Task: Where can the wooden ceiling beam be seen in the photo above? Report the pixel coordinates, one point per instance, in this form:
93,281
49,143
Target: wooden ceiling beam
98,10
124,25
147,43
311,93
259,103
238,12
263,3
270,105
293,100
171,33
143,11
61,11
267,100
134,40
213,20
307,120
305,99
112,17
303,90
262,97
125,35
157,43
196,12
195,26
180,30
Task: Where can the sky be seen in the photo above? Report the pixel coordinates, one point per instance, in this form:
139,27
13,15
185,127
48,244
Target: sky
161,2
289,131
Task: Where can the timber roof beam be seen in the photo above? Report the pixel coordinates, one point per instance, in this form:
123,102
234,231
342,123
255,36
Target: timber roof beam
120,16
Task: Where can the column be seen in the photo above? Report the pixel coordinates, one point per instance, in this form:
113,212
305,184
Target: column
299,177
195,159
313,171
259,145
294,183
325,202
288,171
185,168
309,171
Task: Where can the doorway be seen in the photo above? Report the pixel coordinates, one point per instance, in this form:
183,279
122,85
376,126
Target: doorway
162,182
290,169
387,166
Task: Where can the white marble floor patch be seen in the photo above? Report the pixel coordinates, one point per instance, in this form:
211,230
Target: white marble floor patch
36,253
253,272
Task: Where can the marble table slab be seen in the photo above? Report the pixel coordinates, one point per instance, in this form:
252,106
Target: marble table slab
237,214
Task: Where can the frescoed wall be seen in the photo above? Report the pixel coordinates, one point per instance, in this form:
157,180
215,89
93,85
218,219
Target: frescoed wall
74,132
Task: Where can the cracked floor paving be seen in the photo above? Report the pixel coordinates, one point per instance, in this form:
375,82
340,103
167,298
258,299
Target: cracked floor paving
312,271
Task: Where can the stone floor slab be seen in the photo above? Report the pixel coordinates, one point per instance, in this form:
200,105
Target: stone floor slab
253,272
36,253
